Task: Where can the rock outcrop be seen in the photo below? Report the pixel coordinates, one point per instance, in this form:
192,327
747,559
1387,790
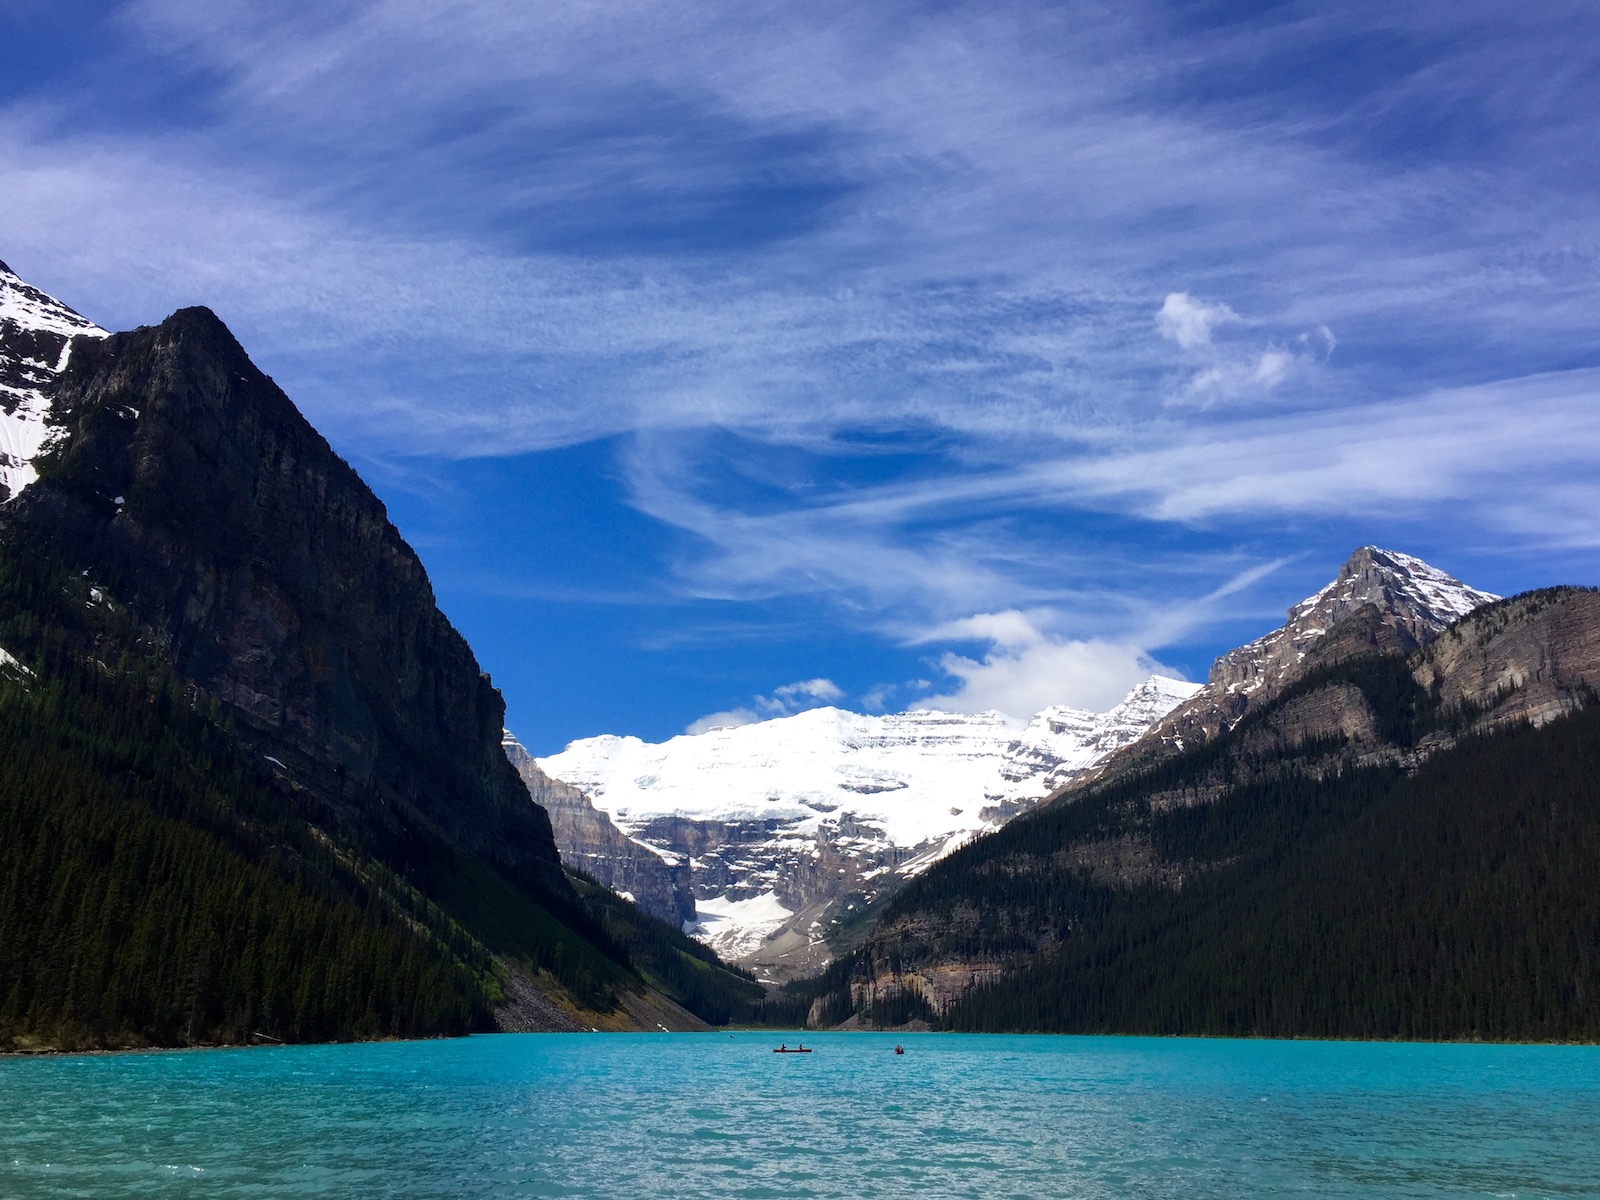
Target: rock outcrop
590,842
1381,602
1531,658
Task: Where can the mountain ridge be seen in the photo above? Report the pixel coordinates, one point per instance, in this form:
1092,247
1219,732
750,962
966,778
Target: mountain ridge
983,938
296,712
772,832
1380,600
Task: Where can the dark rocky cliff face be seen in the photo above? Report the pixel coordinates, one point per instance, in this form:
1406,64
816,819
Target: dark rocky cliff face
193,494
590,842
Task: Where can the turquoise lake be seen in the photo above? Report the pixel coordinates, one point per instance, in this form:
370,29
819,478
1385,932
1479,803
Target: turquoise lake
714,1115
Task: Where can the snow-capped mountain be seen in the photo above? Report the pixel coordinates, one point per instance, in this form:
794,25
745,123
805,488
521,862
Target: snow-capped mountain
1380,601
36,333
789,824
1414,599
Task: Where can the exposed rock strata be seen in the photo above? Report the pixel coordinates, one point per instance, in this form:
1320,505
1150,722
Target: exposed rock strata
591,843
1530,658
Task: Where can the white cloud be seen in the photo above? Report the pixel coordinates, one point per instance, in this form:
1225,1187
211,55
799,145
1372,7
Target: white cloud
808,689
1189,322
1253,374
1227,372
1027,669
876,700
731,719
784,701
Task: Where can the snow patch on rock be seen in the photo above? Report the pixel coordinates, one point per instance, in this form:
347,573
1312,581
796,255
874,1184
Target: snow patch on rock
36,332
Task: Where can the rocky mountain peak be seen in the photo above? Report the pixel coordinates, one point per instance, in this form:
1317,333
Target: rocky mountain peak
36,332
1396,602
1381,601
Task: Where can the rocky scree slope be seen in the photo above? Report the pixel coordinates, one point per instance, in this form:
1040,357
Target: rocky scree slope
764,837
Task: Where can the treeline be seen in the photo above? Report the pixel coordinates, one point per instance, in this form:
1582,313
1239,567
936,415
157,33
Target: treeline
1460,902
1227,890
156,888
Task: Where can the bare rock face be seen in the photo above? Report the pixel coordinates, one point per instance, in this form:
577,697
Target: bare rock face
590,842
1381,602
1531,658
254,560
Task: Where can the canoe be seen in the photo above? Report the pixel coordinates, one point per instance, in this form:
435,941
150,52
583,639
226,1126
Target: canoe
791,1049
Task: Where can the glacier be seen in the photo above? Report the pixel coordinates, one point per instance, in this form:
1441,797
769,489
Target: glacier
790,825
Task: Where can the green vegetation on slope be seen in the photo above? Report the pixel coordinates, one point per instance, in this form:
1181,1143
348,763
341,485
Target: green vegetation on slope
156,888
676,964
1461,902
1220,893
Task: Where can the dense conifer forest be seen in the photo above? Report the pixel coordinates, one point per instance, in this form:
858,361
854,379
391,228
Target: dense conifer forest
1458,901
160,886
155,888
1461,902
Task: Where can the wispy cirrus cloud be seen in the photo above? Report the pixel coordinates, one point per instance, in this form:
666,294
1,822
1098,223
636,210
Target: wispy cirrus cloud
784,701
948,226
918,312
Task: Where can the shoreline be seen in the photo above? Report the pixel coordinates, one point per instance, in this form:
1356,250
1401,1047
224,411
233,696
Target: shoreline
53,1052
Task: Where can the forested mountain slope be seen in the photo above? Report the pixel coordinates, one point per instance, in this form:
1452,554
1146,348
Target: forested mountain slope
254,781
1396,845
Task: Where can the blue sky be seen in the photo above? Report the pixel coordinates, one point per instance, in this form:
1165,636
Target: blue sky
722,358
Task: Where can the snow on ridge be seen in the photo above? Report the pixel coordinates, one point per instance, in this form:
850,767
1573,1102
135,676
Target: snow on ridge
1416,589
1440,593
36,333
915,776
781,819
40,312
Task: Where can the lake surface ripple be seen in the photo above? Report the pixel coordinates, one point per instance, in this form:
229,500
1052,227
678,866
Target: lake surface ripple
714,1115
